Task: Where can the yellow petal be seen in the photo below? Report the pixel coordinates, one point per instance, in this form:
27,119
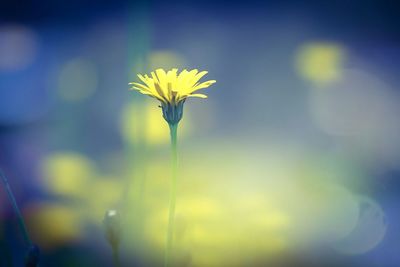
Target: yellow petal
172,72
144,79
147,81
172,78
183,79
191,75
171,86
180,79
157,87
198,76
149,90
140,86
202,85
197,95
162,78
193,81
141,78
154,77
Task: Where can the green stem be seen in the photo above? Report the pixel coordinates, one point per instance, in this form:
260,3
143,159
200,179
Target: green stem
172,197
16,210
115,254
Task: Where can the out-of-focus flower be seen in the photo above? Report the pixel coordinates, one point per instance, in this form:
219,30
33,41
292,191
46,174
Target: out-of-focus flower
74,179
112,227
172,89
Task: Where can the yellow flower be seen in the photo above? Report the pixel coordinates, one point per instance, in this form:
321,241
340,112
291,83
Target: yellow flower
172,89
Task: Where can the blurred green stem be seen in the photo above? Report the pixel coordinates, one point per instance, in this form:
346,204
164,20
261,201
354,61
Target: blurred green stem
16,209
115,254
172,197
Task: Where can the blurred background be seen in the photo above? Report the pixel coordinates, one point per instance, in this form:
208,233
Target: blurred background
293,160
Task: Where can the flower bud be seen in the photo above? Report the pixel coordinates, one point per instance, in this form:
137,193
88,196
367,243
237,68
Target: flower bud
173,112
112,227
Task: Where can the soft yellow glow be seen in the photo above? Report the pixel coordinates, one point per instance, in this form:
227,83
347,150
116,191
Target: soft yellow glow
67,173
232,210
156,131
53,224
215,233
165,60
77,80
104,193
171,87
320,63
87,196
246,210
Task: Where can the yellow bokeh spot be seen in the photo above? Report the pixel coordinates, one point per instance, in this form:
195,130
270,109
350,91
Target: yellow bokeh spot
86,193
67,173
274,220
156,129
144,122
165,60
197,208
320,63
53,224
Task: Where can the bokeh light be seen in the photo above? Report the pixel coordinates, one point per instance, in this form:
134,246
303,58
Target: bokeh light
54,225
320,62
78,79
165,59
18,47
363,110
84,193
369,232
67,173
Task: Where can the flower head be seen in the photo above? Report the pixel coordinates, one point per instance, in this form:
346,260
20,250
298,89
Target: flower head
172,89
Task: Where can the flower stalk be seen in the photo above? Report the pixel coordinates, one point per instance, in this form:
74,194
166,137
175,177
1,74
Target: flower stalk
172,194
16,209
112,231
172,89
33,253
